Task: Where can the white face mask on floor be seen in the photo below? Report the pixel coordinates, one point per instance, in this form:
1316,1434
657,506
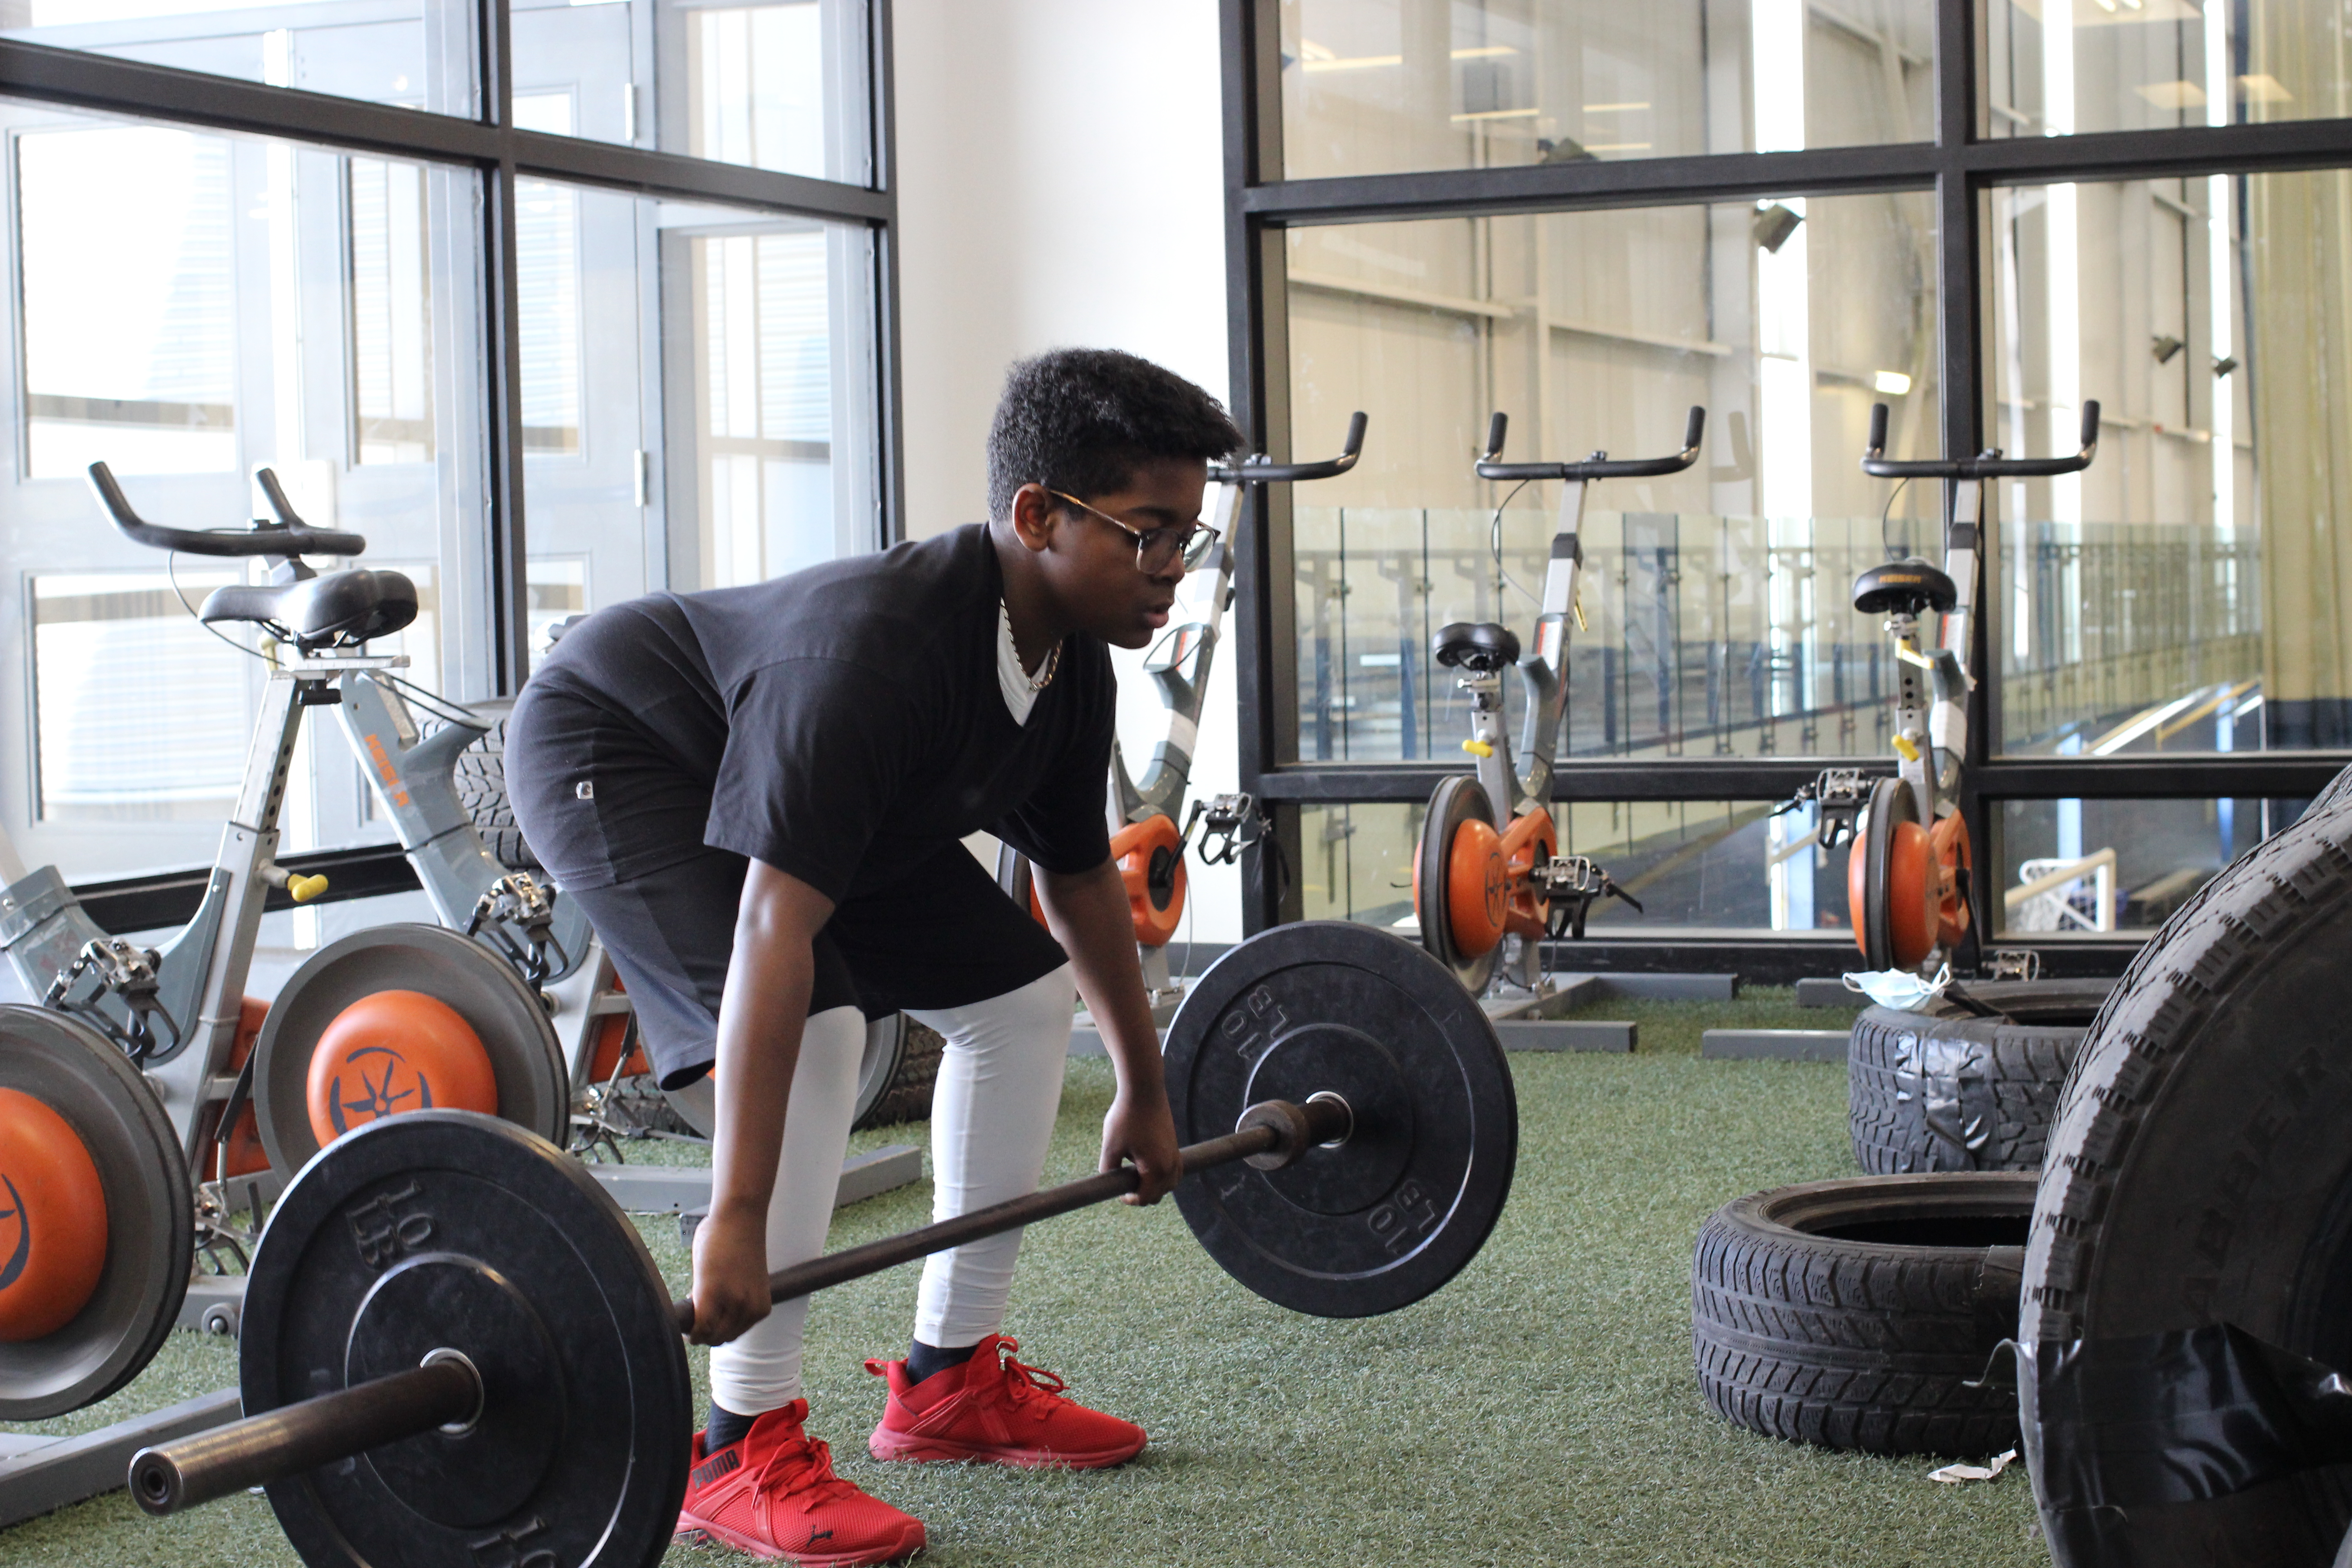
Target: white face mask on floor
1899,988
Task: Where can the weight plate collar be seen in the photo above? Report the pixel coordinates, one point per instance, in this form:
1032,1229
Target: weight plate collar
447,1229
149,1215
1405,1203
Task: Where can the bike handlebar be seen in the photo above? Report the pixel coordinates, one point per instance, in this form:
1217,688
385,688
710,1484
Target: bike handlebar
1257,471
1988,465
1596,466
295,538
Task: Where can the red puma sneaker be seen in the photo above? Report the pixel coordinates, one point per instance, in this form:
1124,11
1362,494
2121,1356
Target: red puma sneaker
993,1408
774,1495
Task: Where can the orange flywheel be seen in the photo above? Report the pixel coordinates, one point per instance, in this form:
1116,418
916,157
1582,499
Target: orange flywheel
612,1034
245,1154
1531,836
1477,888
1150,855
52,1220
393,1051
1948,842
1910,895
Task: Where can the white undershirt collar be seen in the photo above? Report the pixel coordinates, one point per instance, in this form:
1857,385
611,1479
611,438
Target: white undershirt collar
1012,680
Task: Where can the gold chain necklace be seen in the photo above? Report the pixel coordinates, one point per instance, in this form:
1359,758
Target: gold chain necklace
1053,660
1052,663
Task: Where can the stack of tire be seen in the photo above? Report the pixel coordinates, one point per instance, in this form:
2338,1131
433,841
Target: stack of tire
1970,1081
1864,1313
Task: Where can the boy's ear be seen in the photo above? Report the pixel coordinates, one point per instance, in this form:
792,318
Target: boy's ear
1032,516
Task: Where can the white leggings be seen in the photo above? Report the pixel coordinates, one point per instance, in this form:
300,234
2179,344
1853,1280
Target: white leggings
992,1112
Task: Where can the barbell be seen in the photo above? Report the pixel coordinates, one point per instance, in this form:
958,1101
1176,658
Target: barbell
457,1350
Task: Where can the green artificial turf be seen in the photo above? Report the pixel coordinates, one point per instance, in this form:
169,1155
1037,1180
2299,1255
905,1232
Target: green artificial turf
1541,1409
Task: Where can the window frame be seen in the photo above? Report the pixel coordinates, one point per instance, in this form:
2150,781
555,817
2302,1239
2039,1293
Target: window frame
1957,167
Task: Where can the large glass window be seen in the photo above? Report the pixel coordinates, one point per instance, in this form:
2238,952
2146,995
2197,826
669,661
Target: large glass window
771,84
697,391
1383,86
2184,594
2061,66
129,330
706,395
1715,616
237,303
416,53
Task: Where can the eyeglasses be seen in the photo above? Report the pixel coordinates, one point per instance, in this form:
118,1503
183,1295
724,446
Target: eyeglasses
1156,549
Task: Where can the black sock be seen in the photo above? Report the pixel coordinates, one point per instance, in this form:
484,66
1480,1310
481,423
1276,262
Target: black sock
923,1360
725,1429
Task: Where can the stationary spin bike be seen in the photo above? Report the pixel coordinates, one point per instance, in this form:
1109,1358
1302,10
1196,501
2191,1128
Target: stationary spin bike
1908,872
1146,839
467,1000
1475,888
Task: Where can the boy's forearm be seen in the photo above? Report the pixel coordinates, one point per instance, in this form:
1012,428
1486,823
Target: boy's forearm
1090,915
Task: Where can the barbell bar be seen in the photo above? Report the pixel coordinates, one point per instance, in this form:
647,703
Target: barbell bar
447,1392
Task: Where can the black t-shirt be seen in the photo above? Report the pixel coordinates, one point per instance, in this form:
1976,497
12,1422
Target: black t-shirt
841,724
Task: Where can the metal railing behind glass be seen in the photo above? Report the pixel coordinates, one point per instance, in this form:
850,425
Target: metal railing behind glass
1709,636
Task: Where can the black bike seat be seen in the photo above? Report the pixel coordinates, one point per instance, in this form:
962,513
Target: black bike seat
1481,645
1909,586
334,608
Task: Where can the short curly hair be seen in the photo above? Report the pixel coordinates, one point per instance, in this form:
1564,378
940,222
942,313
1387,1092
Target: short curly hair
1083,420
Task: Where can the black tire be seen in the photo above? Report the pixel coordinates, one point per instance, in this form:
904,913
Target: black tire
908,1098
1971,1081
481,780
1857,1314
2199,1173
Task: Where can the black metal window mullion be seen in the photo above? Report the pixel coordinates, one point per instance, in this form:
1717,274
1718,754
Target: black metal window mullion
510,595
889,410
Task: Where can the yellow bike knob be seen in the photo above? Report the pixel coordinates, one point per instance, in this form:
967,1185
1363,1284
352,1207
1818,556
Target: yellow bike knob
1903,746
302,890
1479,748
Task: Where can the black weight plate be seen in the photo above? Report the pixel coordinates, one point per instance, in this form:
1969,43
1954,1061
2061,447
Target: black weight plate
1454,802
534,1086
1890,805
149,1215
1400,1207
445,1229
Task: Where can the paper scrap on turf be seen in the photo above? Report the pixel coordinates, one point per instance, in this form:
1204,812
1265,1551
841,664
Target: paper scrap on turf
1952,1473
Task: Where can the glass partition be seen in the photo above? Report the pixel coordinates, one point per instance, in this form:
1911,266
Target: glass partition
2185,593
1716,618
1717,864
2070,867
1373,87
1703,636
2055,68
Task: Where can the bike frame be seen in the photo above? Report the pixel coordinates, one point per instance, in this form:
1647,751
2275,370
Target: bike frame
542,934
1512,791
1519,791
1932,730
1931,718
198,976
195,982
1178,663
